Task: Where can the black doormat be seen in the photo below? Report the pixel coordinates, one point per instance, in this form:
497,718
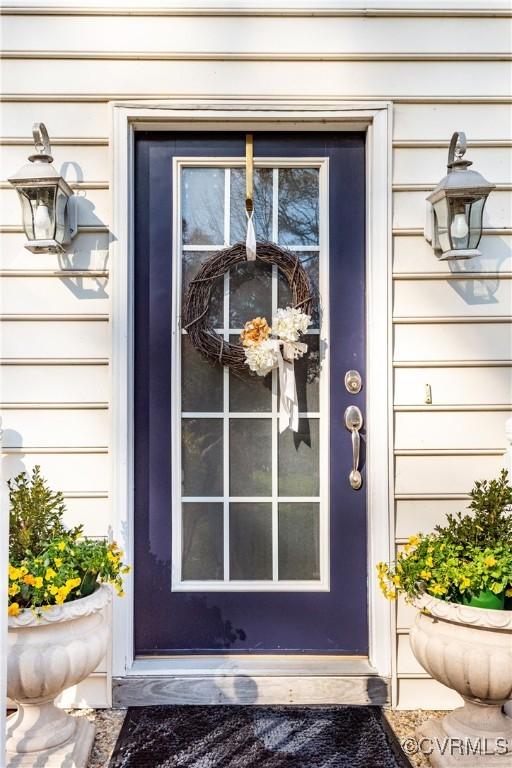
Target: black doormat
256,737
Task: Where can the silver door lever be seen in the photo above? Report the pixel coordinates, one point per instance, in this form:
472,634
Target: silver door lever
354,422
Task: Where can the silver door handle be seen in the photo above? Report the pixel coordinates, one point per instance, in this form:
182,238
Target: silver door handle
354,422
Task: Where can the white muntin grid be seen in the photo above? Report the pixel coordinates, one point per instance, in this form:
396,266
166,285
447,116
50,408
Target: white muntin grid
227,584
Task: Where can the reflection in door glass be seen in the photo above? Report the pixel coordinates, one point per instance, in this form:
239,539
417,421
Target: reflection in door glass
202,209
298,206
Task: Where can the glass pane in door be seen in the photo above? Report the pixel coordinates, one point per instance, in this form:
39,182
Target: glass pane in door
252,506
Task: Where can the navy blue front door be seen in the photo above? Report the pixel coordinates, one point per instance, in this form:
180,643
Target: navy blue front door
247,541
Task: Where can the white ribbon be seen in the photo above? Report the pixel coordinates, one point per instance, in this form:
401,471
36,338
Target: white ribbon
250,240
289,412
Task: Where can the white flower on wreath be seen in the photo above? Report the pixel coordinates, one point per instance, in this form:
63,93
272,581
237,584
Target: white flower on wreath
288,324
262,358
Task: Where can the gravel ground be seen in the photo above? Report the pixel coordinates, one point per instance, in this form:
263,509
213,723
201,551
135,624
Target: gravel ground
109,722
404,724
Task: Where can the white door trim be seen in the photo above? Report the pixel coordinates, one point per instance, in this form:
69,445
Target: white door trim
376,119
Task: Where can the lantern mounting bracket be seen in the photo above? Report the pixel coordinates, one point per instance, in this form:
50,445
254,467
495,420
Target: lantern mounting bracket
457,150
41,144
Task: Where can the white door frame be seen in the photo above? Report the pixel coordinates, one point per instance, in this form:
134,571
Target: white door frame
197,114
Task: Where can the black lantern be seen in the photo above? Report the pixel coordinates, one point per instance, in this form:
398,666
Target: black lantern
44,196
454,225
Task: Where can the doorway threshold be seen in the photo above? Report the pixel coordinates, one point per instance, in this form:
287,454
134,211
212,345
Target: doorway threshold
263,680
249,664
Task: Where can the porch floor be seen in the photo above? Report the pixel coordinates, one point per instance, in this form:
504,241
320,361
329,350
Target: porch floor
109,722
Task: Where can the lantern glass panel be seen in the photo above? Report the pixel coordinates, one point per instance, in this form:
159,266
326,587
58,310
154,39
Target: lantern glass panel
38,211
459,207
442,224
474,216
61,234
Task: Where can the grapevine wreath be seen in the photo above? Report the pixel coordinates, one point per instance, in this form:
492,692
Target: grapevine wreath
197,300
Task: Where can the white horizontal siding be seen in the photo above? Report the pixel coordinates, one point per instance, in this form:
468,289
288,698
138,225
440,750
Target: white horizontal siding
413,515
424,693
88,250
89,512
443,429
89,122
77,163
411,78
440,298
454,386
414,254
43,295
55,428
56,382
69,472
37,338
426,165
468,341
278,35
443,474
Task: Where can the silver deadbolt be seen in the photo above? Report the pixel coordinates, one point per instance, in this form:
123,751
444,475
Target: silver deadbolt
354,422
353,382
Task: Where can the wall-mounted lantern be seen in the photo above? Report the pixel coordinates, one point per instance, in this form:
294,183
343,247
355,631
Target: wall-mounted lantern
455,207
45,199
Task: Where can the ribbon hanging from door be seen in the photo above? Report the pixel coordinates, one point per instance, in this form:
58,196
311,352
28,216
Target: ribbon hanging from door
250,240
287,353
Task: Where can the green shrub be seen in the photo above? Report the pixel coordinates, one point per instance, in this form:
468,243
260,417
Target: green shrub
49,564
471,554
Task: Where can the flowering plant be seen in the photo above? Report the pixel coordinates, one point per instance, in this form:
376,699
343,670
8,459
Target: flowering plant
458,562
262,343
49,564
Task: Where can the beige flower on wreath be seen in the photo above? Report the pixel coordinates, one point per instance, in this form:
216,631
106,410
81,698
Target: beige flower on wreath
255,331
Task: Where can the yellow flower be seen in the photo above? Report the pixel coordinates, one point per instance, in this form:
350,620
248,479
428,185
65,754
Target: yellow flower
255,331
14,589
61,546
38,582
489,561
465,582
509,592
425,575
126,569
53,589
438,589
14,573
29,579
396,580
429,561
414,540
50,574
120,593
60,599
72,583
391,594
13,609
57,561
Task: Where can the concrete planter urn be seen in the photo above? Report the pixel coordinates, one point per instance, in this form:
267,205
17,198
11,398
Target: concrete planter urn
45,656
469,650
